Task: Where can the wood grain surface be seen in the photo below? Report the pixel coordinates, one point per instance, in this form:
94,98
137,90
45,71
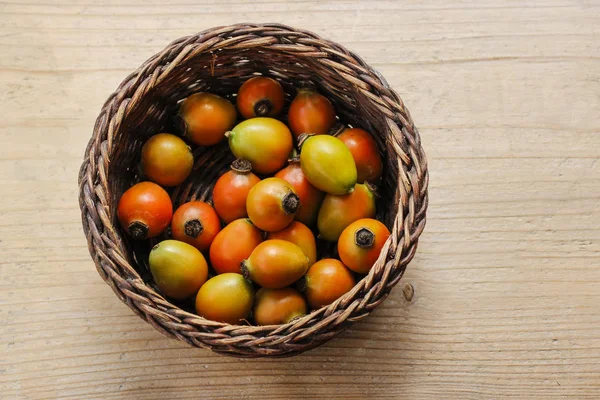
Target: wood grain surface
507,277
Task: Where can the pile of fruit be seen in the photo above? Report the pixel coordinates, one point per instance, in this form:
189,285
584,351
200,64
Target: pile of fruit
287,183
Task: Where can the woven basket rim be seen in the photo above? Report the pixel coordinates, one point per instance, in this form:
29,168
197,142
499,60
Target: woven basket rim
293,337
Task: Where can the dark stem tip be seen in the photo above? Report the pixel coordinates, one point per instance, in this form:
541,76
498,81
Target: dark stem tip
181,125
294,156
263,107
244,269
302,138
364,238
295,316
138,230
291,203
242,166
301,284
306,86
372,188
193,228
337,129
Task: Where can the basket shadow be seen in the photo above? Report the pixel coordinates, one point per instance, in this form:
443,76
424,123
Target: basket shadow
368,360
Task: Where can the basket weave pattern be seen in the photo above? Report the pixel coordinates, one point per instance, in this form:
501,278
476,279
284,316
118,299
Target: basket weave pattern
219,60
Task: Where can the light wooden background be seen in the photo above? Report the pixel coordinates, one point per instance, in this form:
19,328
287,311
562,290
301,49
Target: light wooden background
507,276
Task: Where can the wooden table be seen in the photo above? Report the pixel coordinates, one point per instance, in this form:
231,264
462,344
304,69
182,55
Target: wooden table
507,276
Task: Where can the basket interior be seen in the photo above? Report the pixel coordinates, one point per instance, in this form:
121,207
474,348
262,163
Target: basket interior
222,72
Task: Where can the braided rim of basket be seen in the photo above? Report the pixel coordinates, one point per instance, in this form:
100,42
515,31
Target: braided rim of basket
403,147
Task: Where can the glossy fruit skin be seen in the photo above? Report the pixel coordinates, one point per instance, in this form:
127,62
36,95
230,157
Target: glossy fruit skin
360,244
272,204
278,306
225,298
300,235
310,112
260,97
337,212
365,152
196,223
145,210
178,268
207,117
230,193
234,244
275,264
326,281
166,159
310,197
265,142
328,164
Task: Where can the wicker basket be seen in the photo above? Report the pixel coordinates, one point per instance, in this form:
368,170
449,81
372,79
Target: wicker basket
219,60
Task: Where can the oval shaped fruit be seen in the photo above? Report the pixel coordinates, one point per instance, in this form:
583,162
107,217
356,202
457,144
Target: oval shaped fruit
310,196
265,142
231,191
278,306
337,212
178,268
310,112
207,117
166,159
260,97
360,244
275,264
145,210
196,223
328,164
225,298
365,152
233,245
300,235
326,281
272,204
